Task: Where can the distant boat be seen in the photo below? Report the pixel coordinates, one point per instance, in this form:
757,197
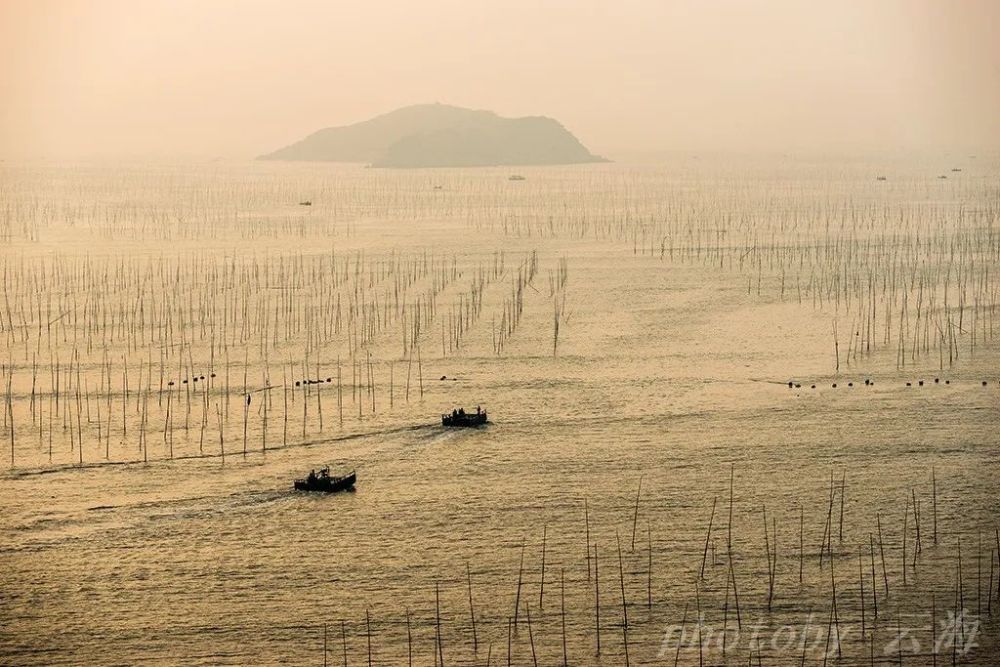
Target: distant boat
305,203
461,419
326,483
516,177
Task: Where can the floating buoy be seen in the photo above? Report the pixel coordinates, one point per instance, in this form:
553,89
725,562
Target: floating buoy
909,384
213,374
297,383
936,380
790,385
797,386
170,384
947,381
329,380
813,387
850,384
834,385
921,383
444,377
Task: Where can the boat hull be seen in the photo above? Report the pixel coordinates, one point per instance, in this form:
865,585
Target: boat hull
464,420
326,485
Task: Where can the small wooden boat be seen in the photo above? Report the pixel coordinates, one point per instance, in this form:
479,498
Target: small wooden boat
325,482
461,419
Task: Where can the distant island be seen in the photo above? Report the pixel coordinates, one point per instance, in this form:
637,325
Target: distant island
438,135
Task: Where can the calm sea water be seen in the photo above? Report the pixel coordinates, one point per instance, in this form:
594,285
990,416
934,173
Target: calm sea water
670,373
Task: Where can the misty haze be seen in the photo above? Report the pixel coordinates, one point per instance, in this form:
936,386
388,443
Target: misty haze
660,333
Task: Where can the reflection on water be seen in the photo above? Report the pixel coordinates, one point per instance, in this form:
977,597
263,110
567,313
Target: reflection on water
671,370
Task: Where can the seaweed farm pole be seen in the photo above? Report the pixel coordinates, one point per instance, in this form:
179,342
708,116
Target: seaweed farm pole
684,618
597,602
541,588
508,640
767,553
708,536
420,374
246,416
933,630
222,445
979,575
343,640
409,640
437,623
635,514
586,520
729,528
319,400
871,551
472,611
736,595
625,642
531,635
324,645
801,541
10,413
828,528
621,576
843,487
368,634
906,510
409,368
263,432
836,346
996,533
881,547
649,566
861,583
562,606
934,492
989,588
520,573
697,601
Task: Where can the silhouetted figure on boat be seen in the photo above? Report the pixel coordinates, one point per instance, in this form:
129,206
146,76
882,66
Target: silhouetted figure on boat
325,482
459,417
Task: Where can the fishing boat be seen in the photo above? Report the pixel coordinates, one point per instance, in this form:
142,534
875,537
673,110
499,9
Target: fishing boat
462,419
325,482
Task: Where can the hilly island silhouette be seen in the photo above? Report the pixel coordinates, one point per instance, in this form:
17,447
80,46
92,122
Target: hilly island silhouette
440,135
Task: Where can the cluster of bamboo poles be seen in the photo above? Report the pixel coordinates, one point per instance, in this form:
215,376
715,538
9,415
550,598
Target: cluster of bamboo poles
85,418
917,278
105,353
512,307
863,599
557,292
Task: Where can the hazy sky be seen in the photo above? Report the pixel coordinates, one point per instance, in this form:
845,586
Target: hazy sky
233,78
